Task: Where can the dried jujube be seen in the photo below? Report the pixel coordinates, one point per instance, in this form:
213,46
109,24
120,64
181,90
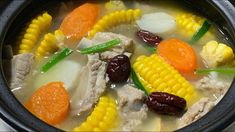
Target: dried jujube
165,103
119,69
149,38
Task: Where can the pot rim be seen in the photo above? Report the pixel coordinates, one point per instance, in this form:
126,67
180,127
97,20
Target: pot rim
223,113
21,119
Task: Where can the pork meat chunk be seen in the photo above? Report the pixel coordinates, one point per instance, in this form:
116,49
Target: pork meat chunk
20,67
196,111
212,86
131,107
92,78
125,47
91,84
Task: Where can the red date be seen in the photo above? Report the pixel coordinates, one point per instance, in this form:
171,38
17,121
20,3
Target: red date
119,69
165,103
148,37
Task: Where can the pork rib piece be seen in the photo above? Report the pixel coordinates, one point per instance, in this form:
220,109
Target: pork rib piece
20,67
131,107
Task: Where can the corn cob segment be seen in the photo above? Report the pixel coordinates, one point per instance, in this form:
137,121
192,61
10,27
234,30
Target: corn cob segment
216,54
156,75
113,19
19,39
49,44
33,32
102,118
190,24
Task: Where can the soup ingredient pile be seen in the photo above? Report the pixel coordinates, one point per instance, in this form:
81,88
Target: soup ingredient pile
124,67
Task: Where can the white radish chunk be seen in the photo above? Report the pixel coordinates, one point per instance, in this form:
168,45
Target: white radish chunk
66,72
159,22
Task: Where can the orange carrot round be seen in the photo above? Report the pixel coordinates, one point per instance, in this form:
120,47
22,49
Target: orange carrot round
50,103
179,54
78,22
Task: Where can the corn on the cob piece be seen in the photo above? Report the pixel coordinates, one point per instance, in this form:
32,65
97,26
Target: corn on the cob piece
19,39
33,31
49,44
102,118
216,54
156,75
189,23
113,19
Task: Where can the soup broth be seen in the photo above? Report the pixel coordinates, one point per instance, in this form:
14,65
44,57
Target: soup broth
68,70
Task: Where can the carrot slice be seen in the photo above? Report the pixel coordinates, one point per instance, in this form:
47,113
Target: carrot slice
179,54
50,103
78,22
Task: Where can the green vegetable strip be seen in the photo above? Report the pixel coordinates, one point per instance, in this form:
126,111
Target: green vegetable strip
56,58
219,70
205,27
100,47
137,82
150,49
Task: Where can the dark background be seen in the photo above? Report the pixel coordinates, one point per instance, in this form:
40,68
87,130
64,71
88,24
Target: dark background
3,3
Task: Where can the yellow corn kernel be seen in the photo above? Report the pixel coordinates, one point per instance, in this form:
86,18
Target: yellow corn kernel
113,19
189,24
216,54
160,76
106,110
49,44
34,30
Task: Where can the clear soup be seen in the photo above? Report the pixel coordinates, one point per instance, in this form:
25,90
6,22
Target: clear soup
68,70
